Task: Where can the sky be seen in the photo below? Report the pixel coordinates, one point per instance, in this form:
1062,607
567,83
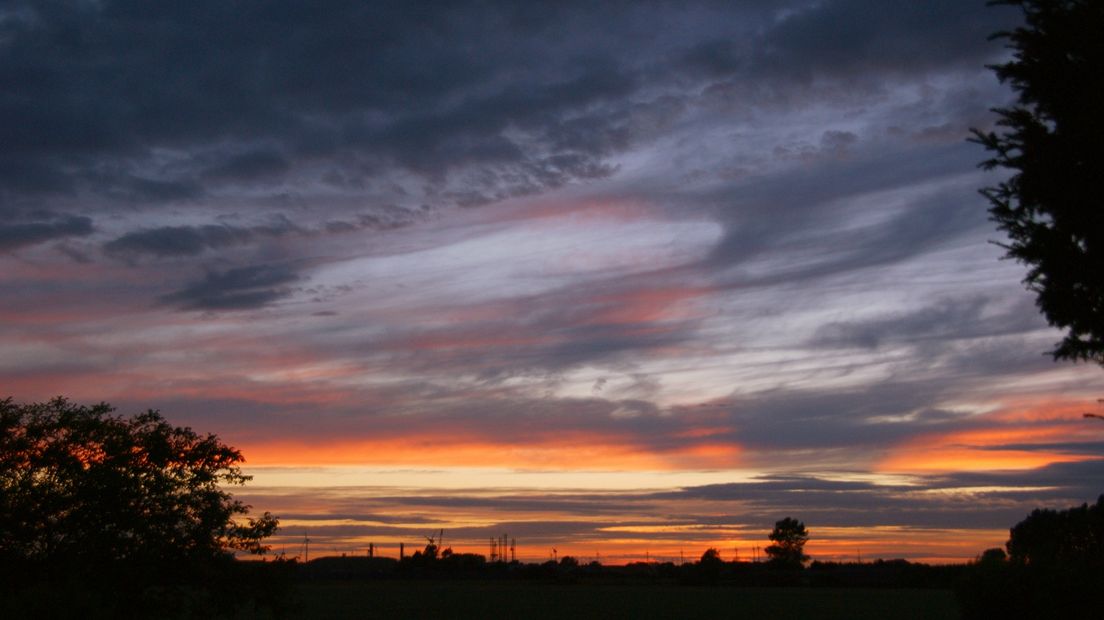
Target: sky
624,279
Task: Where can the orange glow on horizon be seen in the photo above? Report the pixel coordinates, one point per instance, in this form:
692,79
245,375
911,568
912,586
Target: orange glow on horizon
568,451
933,546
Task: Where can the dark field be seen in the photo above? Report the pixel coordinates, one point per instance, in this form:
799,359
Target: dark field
489,599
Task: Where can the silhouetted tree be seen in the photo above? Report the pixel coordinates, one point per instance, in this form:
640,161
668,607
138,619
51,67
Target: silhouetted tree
708,569
789,536
1054,568
1051,139
1072,538
994,556
86,495
711,556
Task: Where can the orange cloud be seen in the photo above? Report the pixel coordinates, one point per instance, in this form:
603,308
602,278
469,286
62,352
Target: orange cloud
1007,445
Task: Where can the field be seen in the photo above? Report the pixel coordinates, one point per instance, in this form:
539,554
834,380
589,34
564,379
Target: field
507,599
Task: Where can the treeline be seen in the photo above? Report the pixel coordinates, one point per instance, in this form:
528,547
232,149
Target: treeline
709,570
1053,568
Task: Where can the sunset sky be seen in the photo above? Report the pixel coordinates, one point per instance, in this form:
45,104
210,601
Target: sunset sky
618,278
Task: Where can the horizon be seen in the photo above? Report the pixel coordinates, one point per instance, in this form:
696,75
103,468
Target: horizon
624,280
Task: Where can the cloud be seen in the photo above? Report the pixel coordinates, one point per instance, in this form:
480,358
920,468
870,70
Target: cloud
168,241
945,320
42,227
249,166
114,101
987,500
851,37
240,288
871,418
797,227
482,102
177,240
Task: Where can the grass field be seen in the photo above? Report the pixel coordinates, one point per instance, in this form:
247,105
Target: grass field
508,599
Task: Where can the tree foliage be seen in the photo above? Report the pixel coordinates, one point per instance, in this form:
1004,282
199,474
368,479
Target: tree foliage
1051,140
711,556
789,537
1054,568
82,489
1072,538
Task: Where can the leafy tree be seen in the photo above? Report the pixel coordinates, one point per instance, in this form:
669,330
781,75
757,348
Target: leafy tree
711,556
86,495
569,562
1054,568
1051,140
994,556
707,570
789,536
1072,538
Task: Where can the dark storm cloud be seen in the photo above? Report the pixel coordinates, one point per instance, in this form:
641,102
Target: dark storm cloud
185,241
95,94
41,227
190,240
177,240
851,36
240,288
92,89
249,166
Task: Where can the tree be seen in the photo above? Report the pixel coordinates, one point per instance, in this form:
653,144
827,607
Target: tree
708,569
87,495
1071,539
993,556
1051,139
711,556
1054,568
789,536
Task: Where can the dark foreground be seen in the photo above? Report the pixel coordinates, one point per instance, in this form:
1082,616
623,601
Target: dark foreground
513,599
